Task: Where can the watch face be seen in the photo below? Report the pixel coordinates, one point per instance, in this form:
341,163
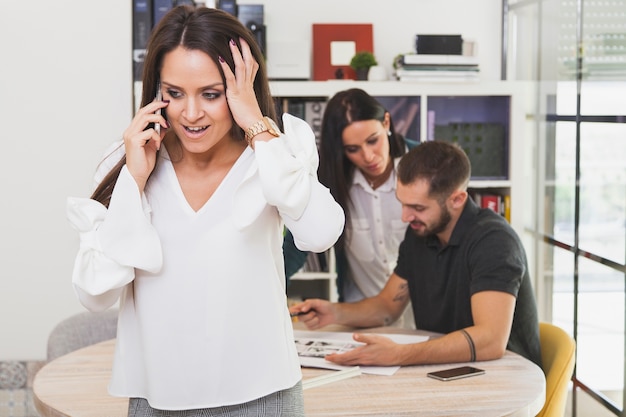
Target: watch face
272,128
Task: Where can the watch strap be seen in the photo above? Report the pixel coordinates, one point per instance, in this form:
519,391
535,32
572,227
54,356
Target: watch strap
264,125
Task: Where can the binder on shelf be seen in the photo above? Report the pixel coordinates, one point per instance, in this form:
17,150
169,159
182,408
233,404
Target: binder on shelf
229,6
313,114
160,8
296,108
142,26
507,208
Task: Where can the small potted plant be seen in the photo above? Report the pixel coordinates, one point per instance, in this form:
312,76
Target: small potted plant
361,63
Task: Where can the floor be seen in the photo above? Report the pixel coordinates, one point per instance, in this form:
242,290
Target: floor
17,403
16,381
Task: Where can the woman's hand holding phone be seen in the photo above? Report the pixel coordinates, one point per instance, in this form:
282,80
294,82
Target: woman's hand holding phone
142,141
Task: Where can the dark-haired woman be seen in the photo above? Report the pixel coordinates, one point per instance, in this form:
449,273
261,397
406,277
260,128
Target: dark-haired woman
359,152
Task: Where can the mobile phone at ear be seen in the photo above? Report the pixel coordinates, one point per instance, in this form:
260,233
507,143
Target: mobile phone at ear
159,97
455,373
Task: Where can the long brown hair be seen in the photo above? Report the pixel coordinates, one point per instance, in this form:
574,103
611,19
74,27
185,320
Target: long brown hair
205,29
336,171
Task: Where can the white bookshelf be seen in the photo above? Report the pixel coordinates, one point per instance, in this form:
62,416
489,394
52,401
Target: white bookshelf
513,93
330,277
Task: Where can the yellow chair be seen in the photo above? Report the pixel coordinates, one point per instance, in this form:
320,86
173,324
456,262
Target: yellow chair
558,359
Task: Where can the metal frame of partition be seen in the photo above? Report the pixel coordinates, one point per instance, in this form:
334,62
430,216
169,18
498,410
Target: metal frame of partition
541,237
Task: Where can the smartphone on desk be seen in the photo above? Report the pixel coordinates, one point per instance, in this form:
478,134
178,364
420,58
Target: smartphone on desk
455,373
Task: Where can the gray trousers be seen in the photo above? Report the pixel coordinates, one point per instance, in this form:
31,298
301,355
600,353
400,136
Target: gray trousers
286,403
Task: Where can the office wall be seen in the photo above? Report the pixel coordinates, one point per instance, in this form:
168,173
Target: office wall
396,23
66,92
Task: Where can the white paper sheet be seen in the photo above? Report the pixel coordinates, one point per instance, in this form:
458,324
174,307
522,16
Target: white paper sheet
314,345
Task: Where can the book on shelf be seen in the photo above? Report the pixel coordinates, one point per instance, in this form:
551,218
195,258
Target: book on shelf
500,204
316,262
311,110
436,72
507,208
437,59
437,75
437,67
491,201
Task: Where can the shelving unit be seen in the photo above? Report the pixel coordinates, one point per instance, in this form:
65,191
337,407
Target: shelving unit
322,284
500,102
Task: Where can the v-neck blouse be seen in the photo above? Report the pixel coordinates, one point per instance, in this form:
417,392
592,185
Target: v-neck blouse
203,316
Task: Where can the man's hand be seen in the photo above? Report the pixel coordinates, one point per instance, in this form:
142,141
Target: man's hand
378,350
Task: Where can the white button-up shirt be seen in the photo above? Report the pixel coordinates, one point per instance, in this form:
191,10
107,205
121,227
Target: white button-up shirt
374,232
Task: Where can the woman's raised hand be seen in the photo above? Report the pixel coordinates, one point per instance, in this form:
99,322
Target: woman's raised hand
141,143
240,86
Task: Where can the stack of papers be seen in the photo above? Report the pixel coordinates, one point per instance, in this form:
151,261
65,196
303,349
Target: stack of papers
432,67
313,346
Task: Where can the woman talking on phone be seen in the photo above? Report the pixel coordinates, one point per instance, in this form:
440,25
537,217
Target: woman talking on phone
185,228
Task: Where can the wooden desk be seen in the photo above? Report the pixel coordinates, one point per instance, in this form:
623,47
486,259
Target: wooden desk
75,385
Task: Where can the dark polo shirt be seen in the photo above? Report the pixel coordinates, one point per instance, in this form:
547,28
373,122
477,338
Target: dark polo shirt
484,254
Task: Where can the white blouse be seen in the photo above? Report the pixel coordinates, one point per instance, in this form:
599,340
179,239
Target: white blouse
203,316
374,232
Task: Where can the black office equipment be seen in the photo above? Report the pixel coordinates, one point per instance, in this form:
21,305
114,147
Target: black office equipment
439,44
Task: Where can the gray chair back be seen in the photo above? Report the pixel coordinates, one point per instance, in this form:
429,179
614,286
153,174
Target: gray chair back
81,330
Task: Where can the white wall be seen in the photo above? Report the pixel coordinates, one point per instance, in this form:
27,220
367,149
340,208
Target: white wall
65,88
396,22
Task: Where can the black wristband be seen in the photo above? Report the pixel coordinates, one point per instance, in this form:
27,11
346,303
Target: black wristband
470,342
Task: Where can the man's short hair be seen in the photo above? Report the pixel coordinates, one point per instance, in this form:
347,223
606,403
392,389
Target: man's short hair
444,165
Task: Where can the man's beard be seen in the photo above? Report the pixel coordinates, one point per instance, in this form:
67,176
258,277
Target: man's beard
437,227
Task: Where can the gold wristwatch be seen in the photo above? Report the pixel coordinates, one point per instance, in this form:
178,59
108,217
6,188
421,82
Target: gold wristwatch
264,125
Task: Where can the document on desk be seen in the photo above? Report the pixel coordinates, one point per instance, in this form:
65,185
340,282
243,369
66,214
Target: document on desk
313,346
